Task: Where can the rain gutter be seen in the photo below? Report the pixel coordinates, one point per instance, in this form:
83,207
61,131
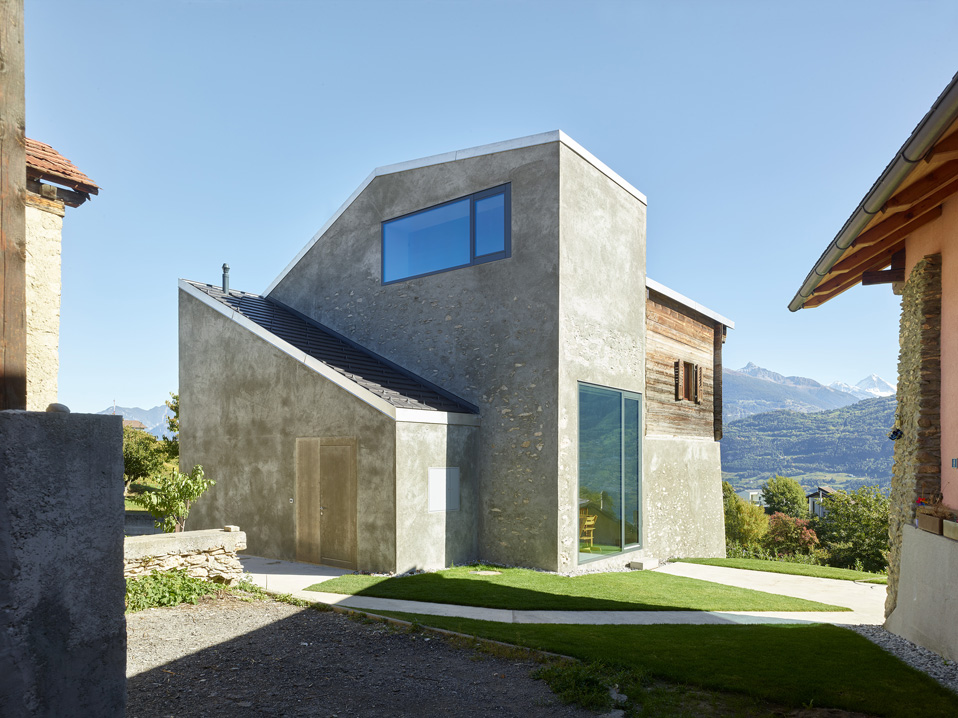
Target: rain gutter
941,115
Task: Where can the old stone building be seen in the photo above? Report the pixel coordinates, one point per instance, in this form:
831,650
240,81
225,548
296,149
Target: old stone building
53,184
904,233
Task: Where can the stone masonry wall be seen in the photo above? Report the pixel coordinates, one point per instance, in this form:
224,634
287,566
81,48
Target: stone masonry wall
44,222
209,555
917,468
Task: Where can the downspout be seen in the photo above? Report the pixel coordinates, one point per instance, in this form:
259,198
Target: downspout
925,135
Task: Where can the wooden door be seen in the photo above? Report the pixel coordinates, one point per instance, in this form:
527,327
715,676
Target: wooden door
326,501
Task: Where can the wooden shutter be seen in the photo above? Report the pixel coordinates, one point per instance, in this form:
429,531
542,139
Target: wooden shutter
678,381
698,385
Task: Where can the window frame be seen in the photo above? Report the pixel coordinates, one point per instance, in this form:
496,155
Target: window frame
624,394
503,189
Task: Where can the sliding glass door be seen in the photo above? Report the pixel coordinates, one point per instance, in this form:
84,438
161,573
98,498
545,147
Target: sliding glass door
610,459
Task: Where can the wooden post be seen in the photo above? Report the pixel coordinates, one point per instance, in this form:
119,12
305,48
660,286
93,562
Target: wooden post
13,180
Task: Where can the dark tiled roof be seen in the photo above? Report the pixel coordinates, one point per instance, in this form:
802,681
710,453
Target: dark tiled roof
45,162
394,385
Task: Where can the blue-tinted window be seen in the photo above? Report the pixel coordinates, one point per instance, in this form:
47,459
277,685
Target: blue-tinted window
466,231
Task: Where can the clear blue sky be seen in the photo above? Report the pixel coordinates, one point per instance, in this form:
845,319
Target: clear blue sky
231,131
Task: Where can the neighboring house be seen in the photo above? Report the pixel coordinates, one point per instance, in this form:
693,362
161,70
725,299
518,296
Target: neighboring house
134,424
905,233
815,507
467,361
752,496
45,207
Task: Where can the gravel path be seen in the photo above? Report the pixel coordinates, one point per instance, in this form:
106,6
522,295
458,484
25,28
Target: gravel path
227,657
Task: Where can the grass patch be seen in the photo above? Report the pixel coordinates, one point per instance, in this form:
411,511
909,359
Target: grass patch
797,666
794,569
523,589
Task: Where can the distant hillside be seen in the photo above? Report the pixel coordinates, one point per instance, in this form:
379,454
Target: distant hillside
850,440
755,392
153,419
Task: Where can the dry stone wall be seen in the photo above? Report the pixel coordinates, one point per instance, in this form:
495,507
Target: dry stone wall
209,555
917,467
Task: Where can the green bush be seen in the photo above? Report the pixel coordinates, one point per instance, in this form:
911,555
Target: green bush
165,588
170,502
854,529
745,523
785,495
143,456
815,557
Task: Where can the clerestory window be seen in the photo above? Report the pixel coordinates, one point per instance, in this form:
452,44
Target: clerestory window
466,231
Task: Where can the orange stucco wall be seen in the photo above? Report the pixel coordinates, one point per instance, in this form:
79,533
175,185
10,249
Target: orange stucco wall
941,237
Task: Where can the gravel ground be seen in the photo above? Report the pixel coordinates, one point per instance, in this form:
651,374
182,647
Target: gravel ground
945,672
226,657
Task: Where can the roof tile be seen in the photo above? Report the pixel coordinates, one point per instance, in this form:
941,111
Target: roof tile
394,385
49,164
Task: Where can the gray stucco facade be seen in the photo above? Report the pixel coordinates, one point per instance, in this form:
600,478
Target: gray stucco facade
514,338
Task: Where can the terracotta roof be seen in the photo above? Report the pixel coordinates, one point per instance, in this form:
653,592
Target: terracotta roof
44,162
386,380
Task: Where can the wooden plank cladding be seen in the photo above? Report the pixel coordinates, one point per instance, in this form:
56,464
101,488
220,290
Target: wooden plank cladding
681,343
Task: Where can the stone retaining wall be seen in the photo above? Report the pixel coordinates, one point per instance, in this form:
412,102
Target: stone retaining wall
209,554
917,468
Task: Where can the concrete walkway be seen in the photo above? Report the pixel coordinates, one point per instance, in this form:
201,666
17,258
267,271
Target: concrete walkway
865,600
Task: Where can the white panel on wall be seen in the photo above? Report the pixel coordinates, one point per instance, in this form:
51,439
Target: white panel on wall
443,489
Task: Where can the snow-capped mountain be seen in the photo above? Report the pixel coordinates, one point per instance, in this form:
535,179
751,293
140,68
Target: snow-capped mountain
753,390
867,388
153,419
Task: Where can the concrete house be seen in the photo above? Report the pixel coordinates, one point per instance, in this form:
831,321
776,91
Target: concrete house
466,362
904,233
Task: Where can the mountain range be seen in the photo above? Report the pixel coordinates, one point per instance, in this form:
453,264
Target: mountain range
153,419
852,441
755,390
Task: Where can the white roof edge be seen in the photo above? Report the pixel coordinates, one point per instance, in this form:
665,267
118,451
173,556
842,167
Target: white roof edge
542,138
682,299
422,416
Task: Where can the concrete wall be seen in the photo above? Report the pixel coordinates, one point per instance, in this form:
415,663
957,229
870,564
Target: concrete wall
682,498
62,628
487,333
44,223
243,403
435,539
601,315
927,608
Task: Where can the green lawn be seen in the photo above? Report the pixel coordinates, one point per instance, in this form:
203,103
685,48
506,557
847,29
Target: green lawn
794,569
522,589
818,666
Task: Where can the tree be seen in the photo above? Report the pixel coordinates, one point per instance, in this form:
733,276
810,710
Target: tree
785,495
143,456
788,535
170,502
171,443
745,523
854,528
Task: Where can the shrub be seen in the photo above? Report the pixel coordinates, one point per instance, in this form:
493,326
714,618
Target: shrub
854,529
165,588
143,456
789,535
785,495
745,523
170,502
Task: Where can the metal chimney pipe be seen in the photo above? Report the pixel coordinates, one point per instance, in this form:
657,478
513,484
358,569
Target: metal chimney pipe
226,278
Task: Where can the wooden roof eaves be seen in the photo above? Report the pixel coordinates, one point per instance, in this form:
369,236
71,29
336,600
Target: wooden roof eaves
929,130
